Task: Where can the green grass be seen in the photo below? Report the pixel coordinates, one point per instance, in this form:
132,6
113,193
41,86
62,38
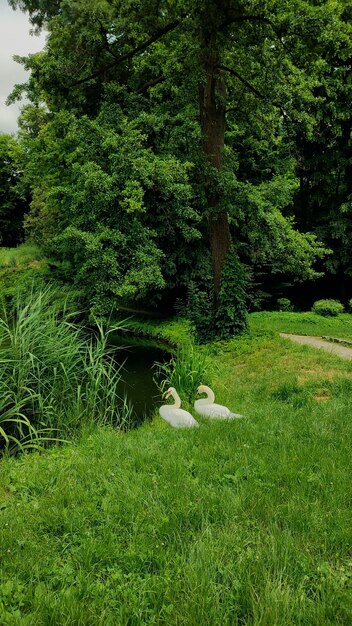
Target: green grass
22,256
179,331
20,268
302,323
171,331
239,523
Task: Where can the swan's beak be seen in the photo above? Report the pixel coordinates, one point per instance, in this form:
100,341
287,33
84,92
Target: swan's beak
167,395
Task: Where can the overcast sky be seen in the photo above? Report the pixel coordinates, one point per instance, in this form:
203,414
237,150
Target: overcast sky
14,39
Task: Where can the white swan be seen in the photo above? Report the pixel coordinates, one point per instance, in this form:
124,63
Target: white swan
207,408
176,417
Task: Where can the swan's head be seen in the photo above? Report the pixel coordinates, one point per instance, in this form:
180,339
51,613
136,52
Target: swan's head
203,389
169,392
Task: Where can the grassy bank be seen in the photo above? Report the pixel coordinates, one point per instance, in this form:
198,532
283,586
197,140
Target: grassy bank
21,257
19,267
245,522
302,324
269,323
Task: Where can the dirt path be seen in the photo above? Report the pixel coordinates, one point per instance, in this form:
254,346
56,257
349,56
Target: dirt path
323,344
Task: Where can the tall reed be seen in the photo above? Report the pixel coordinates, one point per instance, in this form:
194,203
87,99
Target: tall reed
53,377
185,371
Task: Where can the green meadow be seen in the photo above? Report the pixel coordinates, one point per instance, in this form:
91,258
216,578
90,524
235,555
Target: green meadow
245,522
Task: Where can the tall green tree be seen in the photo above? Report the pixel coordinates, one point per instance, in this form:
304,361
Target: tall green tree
178,73
323,202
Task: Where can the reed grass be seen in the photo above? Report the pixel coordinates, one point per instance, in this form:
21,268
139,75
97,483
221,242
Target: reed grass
186,370
54,378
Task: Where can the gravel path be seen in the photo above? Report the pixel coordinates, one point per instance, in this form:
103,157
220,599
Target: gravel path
323,344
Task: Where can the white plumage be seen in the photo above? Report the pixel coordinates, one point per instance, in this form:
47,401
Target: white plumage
173,415
207,407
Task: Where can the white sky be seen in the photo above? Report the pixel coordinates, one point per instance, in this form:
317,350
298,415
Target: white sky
14,39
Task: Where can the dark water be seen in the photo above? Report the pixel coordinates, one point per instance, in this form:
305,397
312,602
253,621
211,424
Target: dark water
138,372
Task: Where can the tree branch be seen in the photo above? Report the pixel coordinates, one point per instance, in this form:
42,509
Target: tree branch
150,83
255,18
105,40
252,89
242,18
242,80
128,55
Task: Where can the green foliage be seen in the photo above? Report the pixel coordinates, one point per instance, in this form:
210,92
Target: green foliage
229,316
53,380
323,201
115,152
231,313
200,312
327,308
185,371
284,304
274,238
123,212
107,265
13,199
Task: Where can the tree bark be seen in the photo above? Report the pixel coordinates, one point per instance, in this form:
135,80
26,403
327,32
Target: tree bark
212,116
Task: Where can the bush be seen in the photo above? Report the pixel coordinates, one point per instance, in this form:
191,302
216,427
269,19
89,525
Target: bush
200,312
284,304
327,308
350,304
229,316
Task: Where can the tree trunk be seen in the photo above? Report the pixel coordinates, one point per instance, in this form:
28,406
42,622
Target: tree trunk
212,116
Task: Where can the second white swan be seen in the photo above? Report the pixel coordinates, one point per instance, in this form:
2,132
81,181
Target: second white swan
207,407
176,417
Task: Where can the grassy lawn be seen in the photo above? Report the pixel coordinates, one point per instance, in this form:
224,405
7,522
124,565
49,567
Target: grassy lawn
239,523
302,324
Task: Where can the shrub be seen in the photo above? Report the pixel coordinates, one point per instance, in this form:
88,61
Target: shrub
328,308
231,314
350,304
53,379
284,304
229,317
200,312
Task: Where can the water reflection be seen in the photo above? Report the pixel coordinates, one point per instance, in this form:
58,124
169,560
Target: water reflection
137,383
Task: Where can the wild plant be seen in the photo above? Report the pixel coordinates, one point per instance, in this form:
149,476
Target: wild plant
54,378
185,371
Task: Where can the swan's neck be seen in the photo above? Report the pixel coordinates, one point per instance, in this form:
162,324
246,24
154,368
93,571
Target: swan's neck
177,399
210,396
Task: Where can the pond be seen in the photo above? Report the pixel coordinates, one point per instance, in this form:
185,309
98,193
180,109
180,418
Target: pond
137,357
